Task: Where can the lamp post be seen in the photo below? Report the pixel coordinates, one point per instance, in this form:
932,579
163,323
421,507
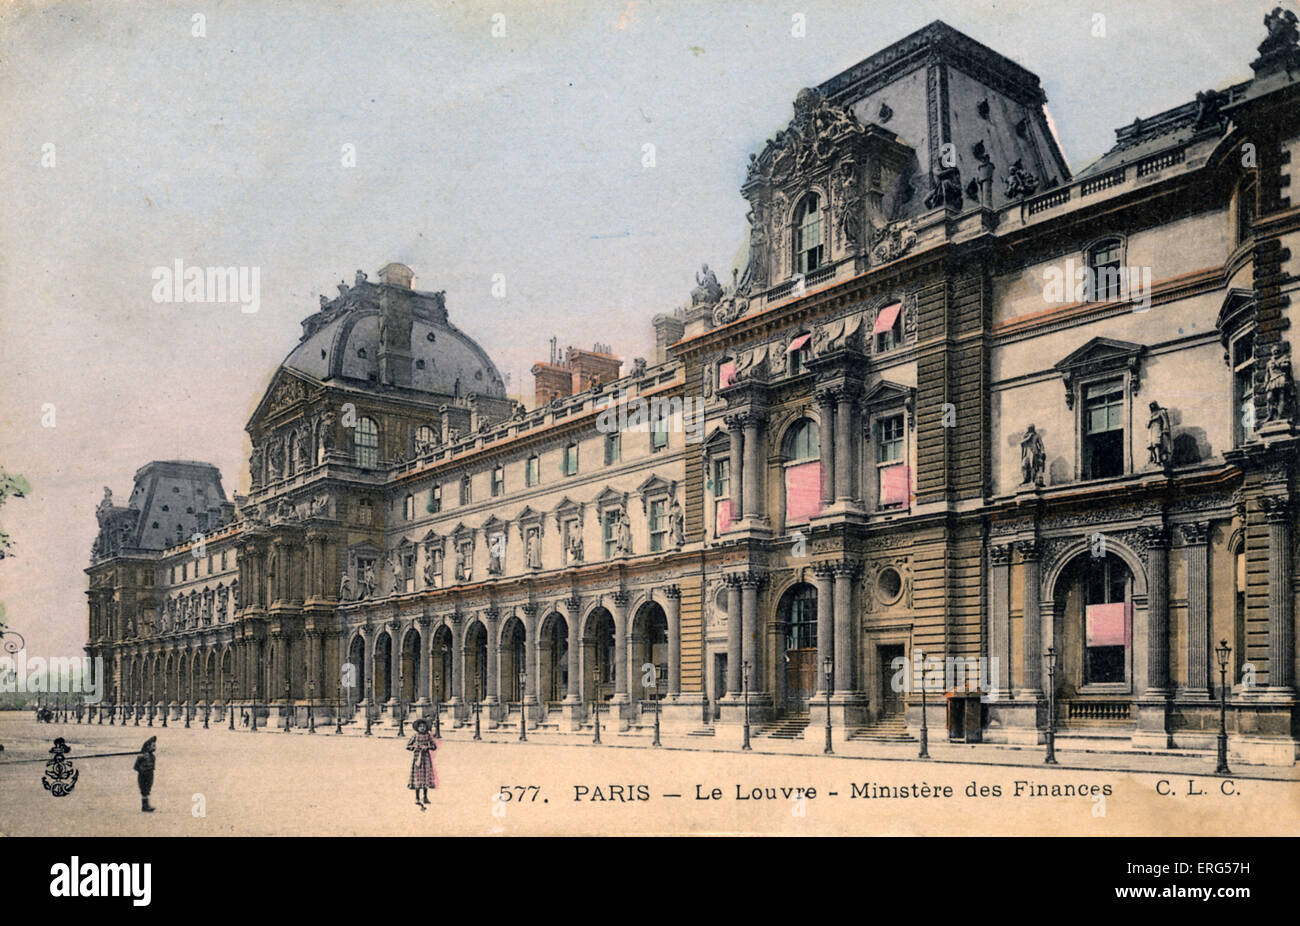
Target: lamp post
401,704
478,705
654,696
1050,758
744,684
367,709
827,667
311,704
523,706
925,721
185,705
207,704
338,705
112,711
596,714
230,702
165,709
437,691
1222,652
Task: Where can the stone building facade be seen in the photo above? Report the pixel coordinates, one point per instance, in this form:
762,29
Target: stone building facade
959,404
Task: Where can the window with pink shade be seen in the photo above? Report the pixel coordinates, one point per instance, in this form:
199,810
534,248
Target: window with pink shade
803,472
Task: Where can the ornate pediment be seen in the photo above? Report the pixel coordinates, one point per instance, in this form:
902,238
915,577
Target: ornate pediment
811,138
1101,355
286,391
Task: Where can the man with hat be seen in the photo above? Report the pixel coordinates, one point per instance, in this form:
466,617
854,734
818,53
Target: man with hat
144,772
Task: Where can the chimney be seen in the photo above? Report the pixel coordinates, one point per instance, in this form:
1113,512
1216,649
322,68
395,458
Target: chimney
395,325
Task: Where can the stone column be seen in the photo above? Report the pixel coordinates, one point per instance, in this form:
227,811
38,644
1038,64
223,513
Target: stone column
846,469
735,634
1196,537
425,684
313,649
826,440
1157,615
822,574
753,478
457,660
749,583
734,425
532,652
569,607
843,622
622,652
1281,646
1031,671
673,612
493,622
1000,619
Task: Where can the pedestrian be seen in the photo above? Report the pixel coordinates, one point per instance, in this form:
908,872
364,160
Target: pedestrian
423,775
243,717
144,772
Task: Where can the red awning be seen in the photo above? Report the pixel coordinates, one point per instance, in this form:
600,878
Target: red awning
798,343
888,315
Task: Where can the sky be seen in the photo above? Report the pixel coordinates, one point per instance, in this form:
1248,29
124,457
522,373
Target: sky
476,155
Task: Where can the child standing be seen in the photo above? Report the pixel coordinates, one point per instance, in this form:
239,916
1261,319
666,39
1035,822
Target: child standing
144,764
423,776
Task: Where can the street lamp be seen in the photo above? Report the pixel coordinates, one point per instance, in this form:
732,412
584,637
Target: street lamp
744,684
1222,652
597,712
311,702
925,721
1050,758
230,702
523,706
207,703
437,692
827,667
338,705
653,685
478,704
401,704
112,711
185,706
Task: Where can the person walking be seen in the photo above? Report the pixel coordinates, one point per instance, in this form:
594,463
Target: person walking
144,764
423,775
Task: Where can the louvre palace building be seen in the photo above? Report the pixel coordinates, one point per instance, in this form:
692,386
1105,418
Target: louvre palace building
959,403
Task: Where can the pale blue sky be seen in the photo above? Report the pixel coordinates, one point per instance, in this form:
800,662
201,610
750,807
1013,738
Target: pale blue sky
475,156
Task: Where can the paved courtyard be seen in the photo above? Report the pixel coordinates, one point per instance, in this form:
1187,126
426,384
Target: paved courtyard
217,783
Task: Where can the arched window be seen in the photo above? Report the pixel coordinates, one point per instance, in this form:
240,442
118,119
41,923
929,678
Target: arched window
808,234
424,440
365,443
1097,601
803,472
798,615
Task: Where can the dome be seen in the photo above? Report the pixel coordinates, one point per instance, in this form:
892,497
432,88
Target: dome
342,342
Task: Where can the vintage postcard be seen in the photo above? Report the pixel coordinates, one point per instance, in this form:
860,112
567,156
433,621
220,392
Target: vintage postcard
611,417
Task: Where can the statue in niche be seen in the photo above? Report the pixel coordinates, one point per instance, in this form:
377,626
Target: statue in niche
395,565
623,534
1279,389
676,523
367,583
575,542
432,567
1032,458
534,548
1160,438
849,199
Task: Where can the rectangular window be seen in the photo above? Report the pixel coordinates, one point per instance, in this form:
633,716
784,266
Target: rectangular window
435,499
223,561
530,471
466,490
893,477
365,511
658,526
1245,210
803,491
612,448
889,327
722,515
1243,385
722,478
210,565
185,571
408,571
659,432
1108,624
570,462
498,481
1103,429
1106,271
408,508
609,533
